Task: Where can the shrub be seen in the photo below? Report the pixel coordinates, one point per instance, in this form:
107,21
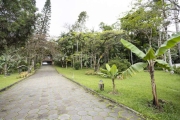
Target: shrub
58,63
156,67
23,66
177,70
122,64
22,63
77,65
38,65
23,75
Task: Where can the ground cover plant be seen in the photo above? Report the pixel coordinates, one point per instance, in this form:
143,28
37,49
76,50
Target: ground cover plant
135,92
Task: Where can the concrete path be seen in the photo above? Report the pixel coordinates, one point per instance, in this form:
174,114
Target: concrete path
48,95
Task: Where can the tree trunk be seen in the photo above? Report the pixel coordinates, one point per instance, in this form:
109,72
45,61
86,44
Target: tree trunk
94,61
113,85
73,62
98,63
91,60
131,58
179,49
170,60
5,69
33,65
107,57
176,15
169,55
62,64
166,37
81,61
66,64
77,45
29,64
153,84
160,39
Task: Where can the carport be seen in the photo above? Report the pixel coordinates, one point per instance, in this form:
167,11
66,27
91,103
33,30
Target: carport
47,60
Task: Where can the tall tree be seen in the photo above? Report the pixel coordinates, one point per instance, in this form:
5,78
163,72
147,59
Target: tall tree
176,17
37,42
79,25
166,22
44,19
105,27
17,20
142,21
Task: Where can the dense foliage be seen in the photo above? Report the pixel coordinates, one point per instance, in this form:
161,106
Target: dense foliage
177,70
23,34
17,18
122,64
77,65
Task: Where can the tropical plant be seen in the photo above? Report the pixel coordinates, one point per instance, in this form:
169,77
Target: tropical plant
38,65
177,70
121,64
151,57
77,65
110,72
9,60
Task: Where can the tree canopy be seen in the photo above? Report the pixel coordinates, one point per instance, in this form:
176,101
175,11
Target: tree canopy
17,18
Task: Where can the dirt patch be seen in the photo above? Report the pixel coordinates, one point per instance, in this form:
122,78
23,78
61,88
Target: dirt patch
163,105
101,100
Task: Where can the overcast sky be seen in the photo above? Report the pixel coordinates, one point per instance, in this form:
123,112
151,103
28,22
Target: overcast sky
67,11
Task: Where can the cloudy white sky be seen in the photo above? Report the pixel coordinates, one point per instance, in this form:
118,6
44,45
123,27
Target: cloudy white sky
67,11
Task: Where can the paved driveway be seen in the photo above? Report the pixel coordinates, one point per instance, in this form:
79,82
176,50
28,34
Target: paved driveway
48,95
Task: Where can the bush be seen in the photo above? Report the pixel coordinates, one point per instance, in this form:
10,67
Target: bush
77,65
22,63
22,75
156,67
57,63
122,64
38,65
177,70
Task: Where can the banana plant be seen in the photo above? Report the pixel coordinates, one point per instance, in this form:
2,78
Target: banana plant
151,57
110,72
9,59
6,60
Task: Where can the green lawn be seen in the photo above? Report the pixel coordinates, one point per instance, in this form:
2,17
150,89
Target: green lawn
8,80
135,92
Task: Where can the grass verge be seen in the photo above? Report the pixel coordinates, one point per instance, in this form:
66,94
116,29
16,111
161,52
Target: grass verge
9,80
135,92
